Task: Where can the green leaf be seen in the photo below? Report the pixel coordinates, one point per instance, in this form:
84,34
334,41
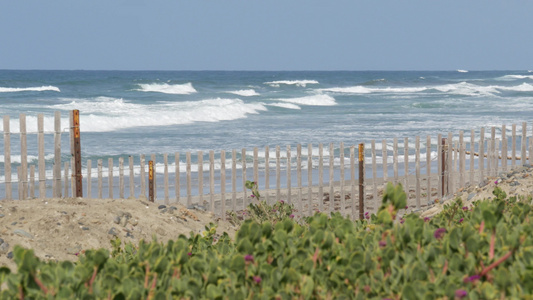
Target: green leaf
489,218
213,292
307,287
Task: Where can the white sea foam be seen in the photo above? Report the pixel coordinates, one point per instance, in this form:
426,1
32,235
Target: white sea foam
462,71
313,100
245,93
29,89
461,88
179,89
301,83
358,89
285,105
515,77
104,114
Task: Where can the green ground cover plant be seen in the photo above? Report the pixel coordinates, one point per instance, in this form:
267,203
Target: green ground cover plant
480,251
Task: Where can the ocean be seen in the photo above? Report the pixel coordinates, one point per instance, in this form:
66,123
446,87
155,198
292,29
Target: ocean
154,112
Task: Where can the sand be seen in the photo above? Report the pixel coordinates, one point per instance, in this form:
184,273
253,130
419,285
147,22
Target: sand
60,229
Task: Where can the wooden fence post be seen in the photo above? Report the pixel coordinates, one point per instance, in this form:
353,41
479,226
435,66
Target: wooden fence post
151,181
76,152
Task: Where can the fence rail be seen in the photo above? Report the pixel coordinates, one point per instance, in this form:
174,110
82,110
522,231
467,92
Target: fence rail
313,177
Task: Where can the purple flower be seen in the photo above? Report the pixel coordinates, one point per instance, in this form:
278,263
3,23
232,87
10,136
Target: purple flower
291,216
382,244
472,278
189,253
461,220
366,213
257,279
460,293
281,201
252,196
249,258
465,208
426,219
402,220
406,207
367,217
496,182
439,233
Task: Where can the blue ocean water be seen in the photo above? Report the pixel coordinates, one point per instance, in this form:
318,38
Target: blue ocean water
154,112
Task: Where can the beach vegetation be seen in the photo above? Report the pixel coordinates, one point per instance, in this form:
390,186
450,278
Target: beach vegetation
478,251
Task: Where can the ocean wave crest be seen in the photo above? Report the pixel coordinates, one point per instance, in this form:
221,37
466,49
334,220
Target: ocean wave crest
178,89
300,83
285,105
313,100
515,77
29,89
245,93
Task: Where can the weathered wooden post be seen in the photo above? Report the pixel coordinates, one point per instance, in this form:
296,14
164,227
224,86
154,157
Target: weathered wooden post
76,152
151,181
361,181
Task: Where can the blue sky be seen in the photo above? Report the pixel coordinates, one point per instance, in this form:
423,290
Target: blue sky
266,35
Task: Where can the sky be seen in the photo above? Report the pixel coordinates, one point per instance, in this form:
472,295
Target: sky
266,35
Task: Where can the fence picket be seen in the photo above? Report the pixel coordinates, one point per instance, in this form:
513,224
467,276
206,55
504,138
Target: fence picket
131,178
89,185
165,179
417,168
177,173
299,177
200,177
513,151
406,164
342,180
309,179
100,185
331,183
24,155
212,181
143,177
223,183
523,144
121,177
267,174
189,180
41,166
374,174
57,155
321,177
278,173
289,174
234,180
428,169
7,159
110,176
